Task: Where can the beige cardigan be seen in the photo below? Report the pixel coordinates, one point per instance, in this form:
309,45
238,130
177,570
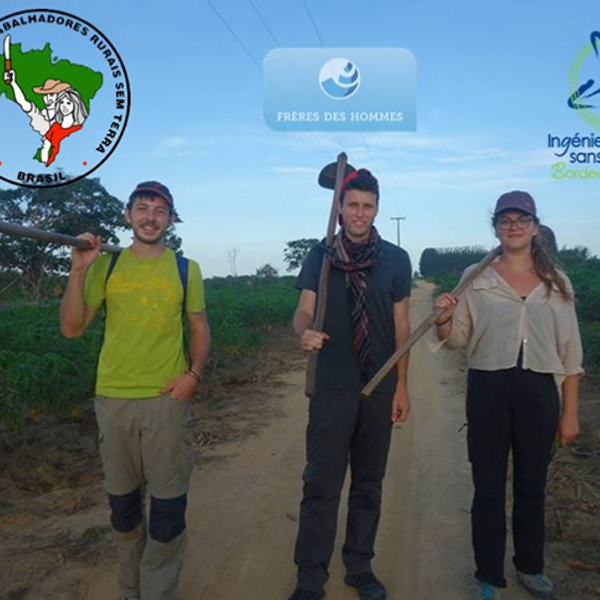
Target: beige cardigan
492,321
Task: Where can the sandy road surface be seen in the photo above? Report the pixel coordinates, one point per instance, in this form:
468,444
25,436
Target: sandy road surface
243,506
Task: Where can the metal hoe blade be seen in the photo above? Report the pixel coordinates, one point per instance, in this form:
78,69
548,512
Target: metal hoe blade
329,172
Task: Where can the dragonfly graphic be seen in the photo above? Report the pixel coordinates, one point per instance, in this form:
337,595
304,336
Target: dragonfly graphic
576,98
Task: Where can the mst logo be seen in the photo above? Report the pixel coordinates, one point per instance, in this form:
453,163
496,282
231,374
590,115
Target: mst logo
64,98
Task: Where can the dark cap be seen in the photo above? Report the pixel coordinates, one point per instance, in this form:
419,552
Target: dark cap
516,200
155,188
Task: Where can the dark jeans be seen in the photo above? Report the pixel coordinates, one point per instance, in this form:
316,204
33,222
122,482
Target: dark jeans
342,428
510,409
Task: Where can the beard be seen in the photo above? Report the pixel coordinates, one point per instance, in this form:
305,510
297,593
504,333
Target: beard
148,238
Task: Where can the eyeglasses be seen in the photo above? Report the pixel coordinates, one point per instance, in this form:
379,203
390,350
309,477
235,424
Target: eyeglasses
505,224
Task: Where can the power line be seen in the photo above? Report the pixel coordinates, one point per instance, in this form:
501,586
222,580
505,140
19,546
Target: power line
313,22
369,151
362,137
278,44
264,22
251,56
234,34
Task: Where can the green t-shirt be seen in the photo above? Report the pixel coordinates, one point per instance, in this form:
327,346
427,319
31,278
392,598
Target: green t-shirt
143,340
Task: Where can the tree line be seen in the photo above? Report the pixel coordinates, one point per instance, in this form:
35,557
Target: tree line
436,261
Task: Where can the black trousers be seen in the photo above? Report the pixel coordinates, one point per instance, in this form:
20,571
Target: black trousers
343,429
510,409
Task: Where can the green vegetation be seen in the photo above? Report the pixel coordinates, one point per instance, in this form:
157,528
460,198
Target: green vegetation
296,251
84,205
242,309
446,282
439,261
42,372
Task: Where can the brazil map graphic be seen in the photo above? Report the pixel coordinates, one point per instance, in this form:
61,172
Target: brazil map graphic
68,109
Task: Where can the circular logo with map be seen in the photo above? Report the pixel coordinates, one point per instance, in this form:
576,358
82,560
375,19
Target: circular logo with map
64,98
339,78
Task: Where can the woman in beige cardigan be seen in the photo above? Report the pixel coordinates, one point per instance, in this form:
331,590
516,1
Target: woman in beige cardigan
519,325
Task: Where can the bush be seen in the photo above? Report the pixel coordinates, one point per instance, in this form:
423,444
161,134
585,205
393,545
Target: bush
590,337
445,282
39,369
449,260
42,372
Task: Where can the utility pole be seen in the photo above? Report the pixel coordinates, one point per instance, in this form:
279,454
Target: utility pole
232,255
398,219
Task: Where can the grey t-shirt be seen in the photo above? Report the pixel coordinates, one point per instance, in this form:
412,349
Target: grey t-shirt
387,283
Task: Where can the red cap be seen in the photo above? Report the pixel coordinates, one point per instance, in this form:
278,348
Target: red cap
516,200
153,187
352,176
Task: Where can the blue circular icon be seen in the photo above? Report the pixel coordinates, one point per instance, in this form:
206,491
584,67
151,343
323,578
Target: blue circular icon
339,78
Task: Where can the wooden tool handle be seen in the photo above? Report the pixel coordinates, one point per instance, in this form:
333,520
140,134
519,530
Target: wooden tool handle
422,329
311,371
51,237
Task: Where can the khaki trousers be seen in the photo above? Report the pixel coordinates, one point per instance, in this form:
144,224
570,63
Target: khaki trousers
147,444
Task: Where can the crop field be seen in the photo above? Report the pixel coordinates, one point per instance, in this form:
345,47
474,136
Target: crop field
41,372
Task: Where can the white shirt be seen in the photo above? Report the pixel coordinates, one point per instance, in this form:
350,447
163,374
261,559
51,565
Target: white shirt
493,321
40,120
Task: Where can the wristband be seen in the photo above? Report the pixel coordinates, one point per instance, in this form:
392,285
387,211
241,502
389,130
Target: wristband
193,374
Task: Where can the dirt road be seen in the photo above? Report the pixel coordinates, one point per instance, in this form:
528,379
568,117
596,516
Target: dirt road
243,506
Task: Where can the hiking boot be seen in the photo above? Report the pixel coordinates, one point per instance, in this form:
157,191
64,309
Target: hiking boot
368,586
539,586
301,594
482,590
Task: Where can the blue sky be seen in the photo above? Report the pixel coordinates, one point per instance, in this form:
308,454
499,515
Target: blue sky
491,85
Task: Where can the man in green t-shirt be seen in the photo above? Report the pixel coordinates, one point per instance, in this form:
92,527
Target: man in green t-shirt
144,384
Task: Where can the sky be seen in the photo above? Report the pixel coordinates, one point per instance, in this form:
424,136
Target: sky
492,83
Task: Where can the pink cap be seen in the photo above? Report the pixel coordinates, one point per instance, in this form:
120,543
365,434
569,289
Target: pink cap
516,200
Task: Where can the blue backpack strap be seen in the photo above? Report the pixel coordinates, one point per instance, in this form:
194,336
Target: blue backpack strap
183,267
111,267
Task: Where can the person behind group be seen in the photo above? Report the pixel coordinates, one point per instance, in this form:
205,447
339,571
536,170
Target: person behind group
69,117
366,319
144,384
518,322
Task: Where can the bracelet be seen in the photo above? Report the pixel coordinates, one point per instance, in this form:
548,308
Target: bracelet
193,374
445,322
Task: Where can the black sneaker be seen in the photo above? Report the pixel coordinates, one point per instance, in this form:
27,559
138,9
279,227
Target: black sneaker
368,586
301,594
